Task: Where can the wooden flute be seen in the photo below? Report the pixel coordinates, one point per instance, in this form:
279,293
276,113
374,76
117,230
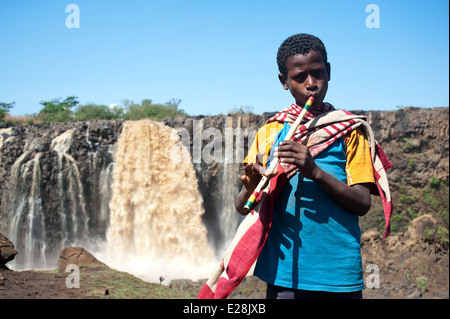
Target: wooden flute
264,180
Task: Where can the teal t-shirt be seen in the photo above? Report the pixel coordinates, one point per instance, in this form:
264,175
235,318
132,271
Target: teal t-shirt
314,243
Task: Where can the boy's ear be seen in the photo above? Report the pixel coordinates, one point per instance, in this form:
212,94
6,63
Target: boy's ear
328,67
283,81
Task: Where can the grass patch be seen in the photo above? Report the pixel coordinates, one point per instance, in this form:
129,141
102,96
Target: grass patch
107,283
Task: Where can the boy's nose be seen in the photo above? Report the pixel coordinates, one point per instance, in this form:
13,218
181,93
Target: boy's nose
310,83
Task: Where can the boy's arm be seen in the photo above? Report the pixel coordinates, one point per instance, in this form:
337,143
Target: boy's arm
355,198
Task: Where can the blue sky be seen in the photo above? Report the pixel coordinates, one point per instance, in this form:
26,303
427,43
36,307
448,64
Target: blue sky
217,55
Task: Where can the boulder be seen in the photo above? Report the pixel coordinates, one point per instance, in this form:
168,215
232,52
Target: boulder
421,228
78,256
7,251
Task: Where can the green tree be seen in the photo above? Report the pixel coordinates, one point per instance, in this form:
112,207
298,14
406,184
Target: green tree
93,111
57,110
152,111
134,111
4,107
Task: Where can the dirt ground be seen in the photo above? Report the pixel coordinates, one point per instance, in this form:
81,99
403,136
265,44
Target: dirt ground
94,283
410,265
424,275
35,285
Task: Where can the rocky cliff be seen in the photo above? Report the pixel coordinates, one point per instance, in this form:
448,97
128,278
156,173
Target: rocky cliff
55,179
416,140
54,183
417,143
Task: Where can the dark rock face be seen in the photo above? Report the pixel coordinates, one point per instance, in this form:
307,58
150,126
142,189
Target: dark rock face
416,133
52,180
60,174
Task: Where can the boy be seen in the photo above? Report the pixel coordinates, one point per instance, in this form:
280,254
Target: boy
303,230
313,245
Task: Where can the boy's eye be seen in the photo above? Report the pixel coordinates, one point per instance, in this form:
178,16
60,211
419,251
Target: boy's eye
300,77
318,73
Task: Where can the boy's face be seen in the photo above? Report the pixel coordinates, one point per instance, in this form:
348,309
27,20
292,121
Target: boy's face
307,75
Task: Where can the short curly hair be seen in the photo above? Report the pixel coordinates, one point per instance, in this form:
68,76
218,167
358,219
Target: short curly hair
298,44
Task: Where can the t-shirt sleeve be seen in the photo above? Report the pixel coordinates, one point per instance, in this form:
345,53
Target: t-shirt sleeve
263,142
359,167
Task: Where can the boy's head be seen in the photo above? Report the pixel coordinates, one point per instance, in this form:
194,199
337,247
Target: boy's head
304,68
299,44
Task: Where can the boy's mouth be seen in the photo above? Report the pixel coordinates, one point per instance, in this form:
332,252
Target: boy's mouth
315,96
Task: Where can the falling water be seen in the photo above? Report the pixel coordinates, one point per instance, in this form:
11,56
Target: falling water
156,209
136,204
229,219
48,213
28,226
73,216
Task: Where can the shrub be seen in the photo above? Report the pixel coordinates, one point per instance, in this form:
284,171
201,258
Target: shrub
4,107
435,182
153,111
408,199
422,283
93,111
412,162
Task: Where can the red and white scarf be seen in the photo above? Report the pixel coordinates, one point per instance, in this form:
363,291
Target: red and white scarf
322,127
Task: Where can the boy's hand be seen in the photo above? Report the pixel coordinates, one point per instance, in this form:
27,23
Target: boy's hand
297,154
355,198
254,172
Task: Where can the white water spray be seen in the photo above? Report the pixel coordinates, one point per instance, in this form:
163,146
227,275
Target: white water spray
156,227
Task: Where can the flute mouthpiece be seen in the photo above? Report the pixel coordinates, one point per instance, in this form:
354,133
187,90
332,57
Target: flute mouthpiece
310,101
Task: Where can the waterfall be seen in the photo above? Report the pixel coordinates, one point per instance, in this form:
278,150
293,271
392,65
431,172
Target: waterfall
28,226
229,219
156,209
47,202
73,216
128,192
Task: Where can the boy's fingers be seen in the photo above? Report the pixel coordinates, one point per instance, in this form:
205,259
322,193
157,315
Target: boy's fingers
252,168
292,143
256,168
268,174
259,169
260,157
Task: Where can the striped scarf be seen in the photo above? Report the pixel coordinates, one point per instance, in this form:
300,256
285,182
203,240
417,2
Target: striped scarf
322,127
